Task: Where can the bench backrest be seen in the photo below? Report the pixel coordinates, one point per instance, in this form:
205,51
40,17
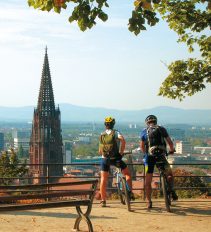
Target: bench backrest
84,189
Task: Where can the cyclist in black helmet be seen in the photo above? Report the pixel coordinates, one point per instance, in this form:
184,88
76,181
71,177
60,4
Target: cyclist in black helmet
153,141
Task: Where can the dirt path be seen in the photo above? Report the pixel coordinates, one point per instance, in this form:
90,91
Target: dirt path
194,216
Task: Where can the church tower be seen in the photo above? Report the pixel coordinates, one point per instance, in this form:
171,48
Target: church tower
46,138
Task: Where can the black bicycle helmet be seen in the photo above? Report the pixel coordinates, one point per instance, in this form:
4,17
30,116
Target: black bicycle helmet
151,118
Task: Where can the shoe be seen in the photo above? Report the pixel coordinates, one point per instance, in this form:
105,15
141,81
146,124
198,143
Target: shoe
131,195
103,203
174,196
149,205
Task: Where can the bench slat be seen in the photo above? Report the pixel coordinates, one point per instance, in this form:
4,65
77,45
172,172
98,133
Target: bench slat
83,182
53,204
47,195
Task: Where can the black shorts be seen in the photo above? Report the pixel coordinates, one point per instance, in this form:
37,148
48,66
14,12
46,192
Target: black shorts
107,162
151,162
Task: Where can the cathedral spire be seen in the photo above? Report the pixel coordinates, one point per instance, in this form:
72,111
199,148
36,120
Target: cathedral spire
46,104
46,137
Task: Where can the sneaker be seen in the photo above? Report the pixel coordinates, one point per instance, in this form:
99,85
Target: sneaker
103,203
174,196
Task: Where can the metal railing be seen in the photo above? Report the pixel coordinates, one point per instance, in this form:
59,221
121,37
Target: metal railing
95,167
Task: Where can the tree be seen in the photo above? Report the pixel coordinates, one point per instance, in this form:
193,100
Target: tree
190,19
83,150
10,167
190,180
22,153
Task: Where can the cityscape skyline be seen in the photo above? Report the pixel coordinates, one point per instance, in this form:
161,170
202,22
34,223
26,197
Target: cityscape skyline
84,64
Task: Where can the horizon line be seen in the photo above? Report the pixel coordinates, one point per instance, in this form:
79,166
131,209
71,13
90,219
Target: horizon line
106,108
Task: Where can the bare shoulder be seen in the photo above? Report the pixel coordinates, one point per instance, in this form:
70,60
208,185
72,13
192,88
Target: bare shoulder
119,134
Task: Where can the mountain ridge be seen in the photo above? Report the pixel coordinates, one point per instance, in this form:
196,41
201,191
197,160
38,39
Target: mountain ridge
71,113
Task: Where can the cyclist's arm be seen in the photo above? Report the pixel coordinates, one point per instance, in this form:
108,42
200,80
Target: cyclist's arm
99,151
142,141
122,144
142,146
168,140
171,145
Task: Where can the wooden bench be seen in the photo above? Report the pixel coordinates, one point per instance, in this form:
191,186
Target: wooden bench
67,194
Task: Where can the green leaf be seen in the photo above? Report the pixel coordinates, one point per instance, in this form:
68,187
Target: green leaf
57,9
103,16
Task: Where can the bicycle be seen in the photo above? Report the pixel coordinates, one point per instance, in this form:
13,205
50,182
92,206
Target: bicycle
123,187
166,190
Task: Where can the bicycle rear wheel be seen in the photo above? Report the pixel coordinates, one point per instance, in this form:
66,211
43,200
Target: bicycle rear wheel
120,191
123,193
166,194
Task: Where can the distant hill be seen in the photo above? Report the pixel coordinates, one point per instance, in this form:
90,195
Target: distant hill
71,113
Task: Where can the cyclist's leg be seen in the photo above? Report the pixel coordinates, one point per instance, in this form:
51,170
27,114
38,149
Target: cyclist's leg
105,166
127,175
121,164
170,177
148,188
149,169
168,170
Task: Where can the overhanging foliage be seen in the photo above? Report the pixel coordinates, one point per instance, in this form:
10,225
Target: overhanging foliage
190,19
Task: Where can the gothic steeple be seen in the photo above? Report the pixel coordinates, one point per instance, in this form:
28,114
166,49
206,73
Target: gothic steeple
46,137
45,104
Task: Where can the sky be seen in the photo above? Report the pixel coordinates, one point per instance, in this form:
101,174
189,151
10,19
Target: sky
106,66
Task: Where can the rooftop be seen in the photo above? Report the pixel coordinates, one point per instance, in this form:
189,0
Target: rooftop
187,215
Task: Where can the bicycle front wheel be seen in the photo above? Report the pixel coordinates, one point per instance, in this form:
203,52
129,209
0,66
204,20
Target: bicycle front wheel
165,193
123,193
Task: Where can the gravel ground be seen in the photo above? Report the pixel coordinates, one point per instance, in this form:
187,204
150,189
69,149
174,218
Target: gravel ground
186,216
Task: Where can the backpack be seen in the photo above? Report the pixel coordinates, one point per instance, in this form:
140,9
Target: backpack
155,139
108,144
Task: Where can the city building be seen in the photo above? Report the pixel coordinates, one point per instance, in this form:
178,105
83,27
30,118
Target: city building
1,141
202,150
68,152
21,138
183,147
46,138
208,141
132,126
84,139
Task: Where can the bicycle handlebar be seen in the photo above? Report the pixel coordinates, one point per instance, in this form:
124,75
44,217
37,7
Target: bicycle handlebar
164,153
171,152
127,153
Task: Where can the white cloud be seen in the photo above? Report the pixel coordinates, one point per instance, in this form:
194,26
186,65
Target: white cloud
80,62
28,27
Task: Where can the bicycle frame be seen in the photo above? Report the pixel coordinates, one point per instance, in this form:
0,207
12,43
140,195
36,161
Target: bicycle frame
164,184
123,188
119,175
